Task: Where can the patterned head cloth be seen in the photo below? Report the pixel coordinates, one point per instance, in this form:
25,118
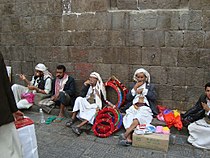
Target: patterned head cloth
141,70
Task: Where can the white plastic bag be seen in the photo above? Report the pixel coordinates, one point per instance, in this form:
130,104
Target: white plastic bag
28,140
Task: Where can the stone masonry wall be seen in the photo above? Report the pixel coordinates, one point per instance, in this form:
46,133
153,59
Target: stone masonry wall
169,38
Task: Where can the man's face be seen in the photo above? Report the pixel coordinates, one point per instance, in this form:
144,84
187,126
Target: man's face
140,77
93,81
38,73
207,91
59,73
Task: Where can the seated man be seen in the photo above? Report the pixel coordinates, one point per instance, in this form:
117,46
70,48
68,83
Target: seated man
142,97
198,120
89,102
63,90
41,83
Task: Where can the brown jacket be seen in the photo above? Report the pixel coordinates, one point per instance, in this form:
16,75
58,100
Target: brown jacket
7,101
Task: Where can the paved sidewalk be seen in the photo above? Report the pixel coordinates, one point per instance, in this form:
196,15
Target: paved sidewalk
57,141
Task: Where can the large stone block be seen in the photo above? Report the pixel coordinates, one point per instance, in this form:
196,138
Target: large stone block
179,93
69,22
44,39
168,20
176,76
127,4
112,55
195,4
153,38
27,24
7,52
40,7
89,5
134,38
29,53
164,92
205,4
116,38
151,56
194,76
27,68
206,20
30,39
67,38
174,38
54,23
96,55
8,9
104,70
59,54
204,58
8,39
43,54
121,71
41,23
135,55
188,57
206,76
99,38
193,94
122,53
18,54
158,75
119,20
55,6
82,39
191,20
83,70
162,4
78,54
194,39
207,40
24,9
169,56
142,20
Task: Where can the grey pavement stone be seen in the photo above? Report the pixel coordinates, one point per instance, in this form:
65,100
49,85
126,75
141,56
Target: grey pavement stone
55,140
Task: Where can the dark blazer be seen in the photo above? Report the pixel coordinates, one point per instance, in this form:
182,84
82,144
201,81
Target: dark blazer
84,91
151,97
69,87
196,112
7,104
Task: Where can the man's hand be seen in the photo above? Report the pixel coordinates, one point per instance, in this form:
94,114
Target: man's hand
205,106
18,115
33,88
87,82
54,98
137,85
22,77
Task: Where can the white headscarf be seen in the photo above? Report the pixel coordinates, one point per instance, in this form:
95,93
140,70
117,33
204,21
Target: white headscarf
43,68
141,70
100,88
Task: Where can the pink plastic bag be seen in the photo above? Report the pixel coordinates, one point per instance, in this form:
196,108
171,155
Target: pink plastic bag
28,96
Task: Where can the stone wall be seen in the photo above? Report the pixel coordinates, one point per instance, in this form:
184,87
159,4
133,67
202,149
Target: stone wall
169,38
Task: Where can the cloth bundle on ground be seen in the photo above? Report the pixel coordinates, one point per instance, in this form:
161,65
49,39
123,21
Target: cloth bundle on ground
172,118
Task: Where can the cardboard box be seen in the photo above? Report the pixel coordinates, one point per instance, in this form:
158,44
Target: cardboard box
151,141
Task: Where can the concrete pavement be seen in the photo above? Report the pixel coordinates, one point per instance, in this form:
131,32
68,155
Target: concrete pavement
57,141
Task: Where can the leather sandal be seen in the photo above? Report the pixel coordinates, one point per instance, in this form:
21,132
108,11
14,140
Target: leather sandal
70,122
76,130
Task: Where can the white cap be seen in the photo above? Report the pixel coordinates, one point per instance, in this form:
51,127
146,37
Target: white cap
40,67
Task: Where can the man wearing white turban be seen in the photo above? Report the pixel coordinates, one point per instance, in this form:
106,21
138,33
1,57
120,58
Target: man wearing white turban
141,105
90,100
41,83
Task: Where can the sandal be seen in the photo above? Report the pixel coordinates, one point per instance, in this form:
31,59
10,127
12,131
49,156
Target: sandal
125,143
76,130
70,122
50,120
122,136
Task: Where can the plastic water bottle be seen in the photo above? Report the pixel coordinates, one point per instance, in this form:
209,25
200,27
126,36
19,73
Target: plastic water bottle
173,138
42,120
